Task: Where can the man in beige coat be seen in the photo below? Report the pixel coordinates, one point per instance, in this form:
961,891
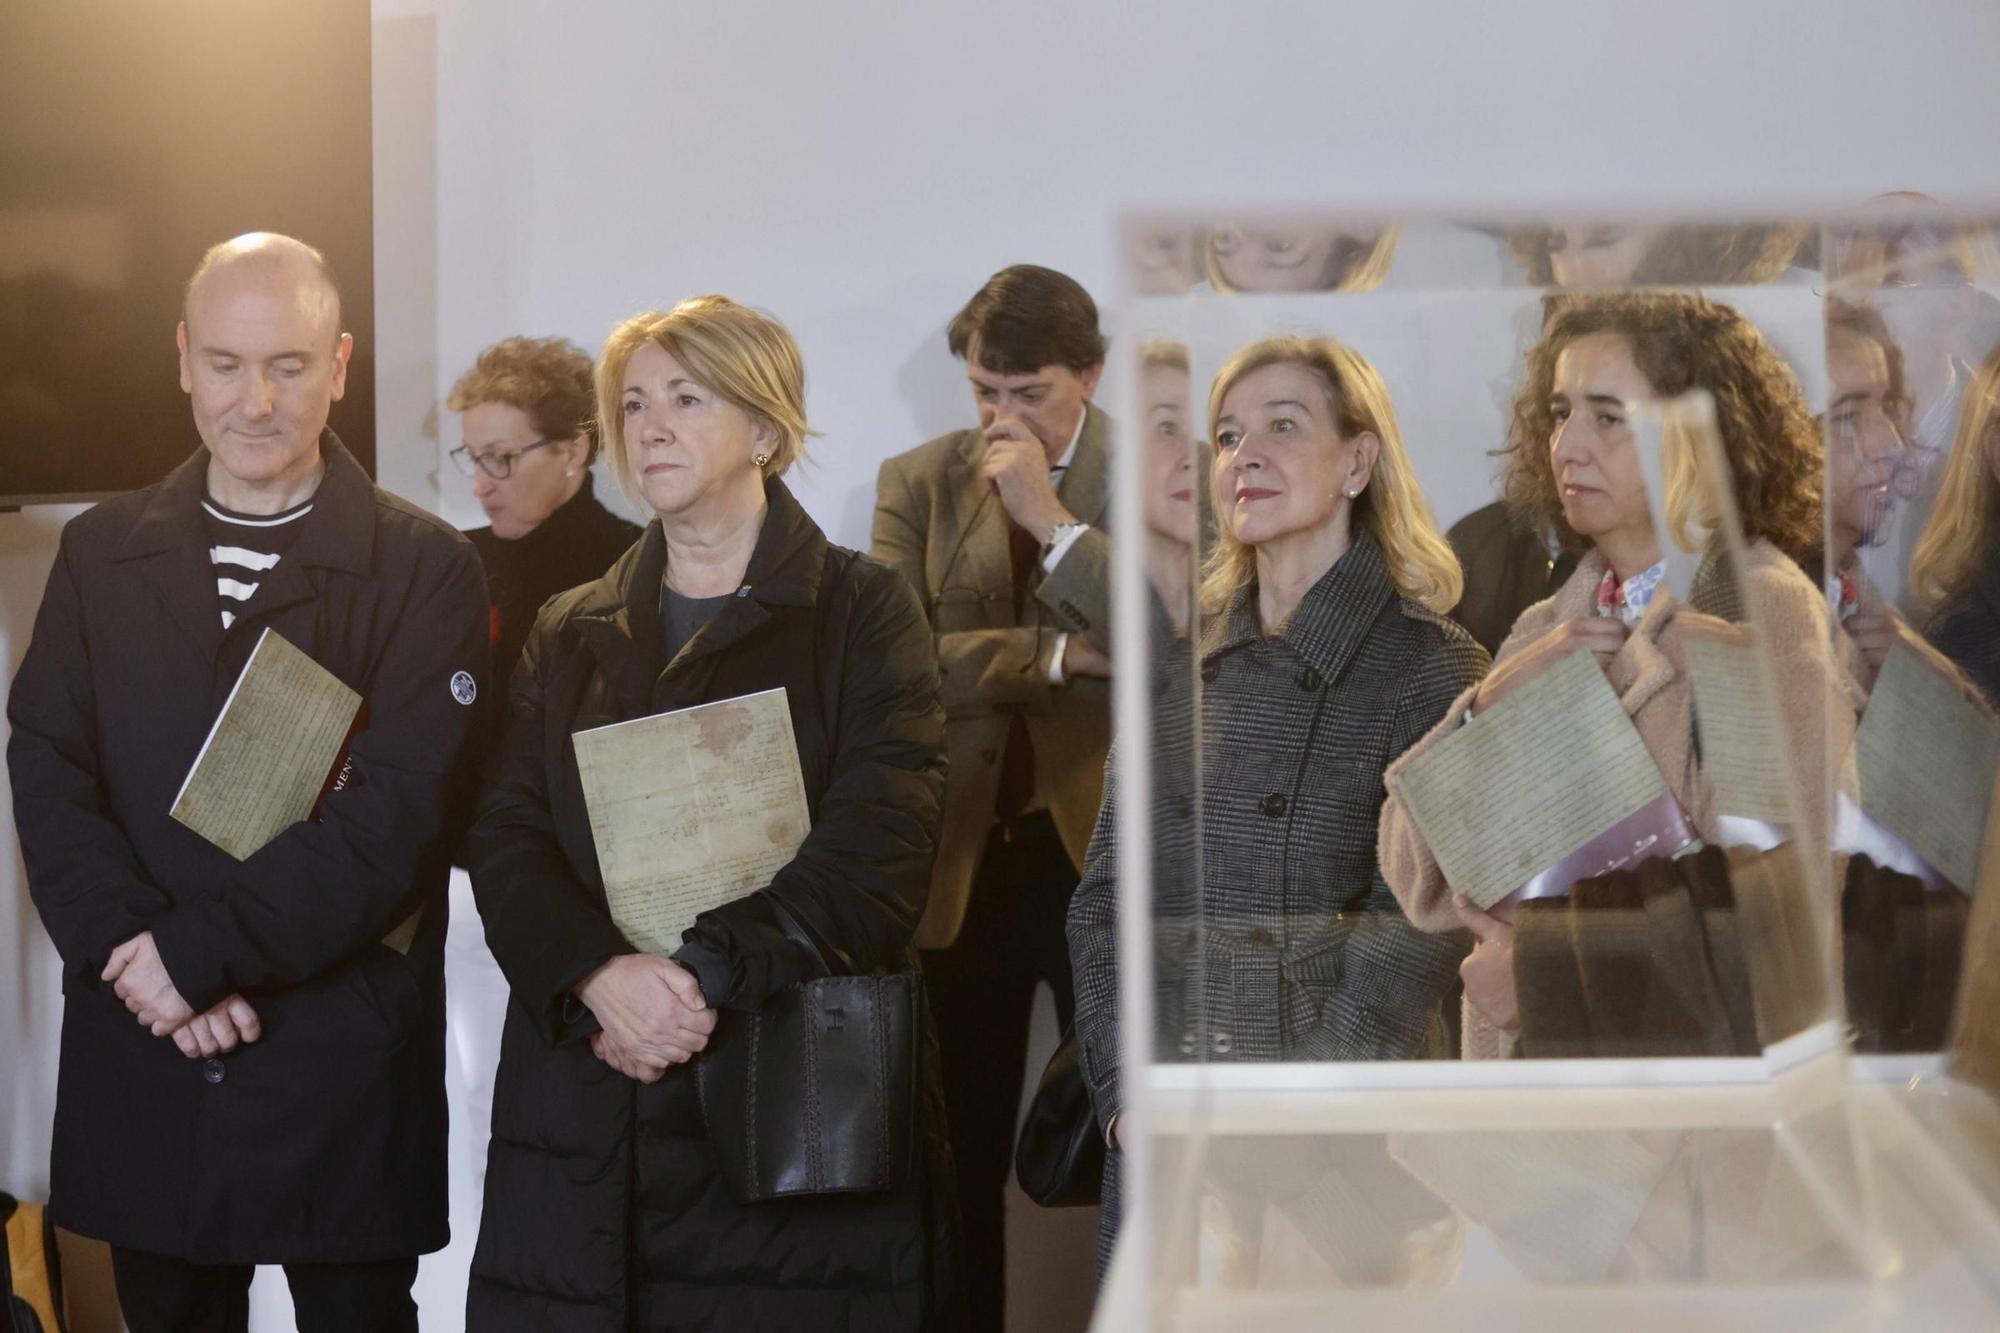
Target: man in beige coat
1000,530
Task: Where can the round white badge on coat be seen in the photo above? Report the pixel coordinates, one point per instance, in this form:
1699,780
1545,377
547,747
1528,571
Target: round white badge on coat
463,689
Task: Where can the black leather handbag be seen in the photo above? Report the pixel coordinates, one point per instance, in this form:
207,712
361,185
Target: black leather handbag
816,1093
1059,1157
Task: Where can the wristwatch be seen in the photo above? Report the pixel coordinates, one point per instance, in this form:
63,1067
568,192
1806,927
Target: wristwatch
1062,532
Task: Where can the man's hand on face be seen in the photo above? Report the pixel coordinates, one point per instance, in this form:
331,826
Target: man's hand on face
140,979
1016,466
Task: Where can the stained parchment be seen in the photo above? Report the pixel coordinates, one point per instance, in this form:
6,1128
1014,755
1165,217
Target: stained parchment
1531,780
1926,758
1743,747
691,809
271,750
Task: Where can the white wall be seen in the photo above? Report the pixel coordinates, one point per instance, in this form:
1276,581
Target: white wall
858,169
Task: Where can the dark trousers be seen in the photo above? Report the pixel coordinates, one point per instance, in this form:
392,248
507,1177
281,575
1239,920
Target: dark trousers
982,993
165,1295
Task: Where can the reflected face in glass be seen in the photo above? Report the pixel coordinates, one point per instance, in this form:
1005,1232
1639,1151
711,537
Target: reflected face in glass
689,446
1583,255
1279,460
1162,259
1165,393
1596,460
1866,445
1286,258
262,362
1048,403
534,485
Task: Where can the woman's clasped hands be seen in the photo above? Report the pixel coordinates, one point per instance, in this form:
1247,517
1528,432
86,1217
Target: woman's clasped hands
650,1012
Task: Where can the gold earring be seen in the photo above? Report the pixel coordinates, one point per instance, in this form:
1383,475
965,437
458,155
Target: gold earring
760,459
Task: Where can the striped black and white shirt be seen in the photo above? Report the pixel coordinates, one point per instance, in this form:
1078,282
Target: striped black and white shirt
245,548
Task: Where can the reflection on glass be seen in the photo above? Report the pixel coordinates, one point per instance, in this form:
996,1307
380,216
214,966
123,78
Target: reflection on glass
1585,256
1162,258
1759,524
1297,257
1904,536
1955,573
1175,475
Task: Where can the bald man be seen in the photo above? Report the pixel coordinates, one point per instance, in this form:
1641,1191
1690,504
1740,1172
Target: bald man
252,1052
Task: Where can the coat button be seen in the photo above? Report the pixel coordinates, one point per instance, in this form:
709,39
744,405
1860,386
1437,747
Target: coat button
1274,806
990,756
1209,670
1187,1043
1261,937
213,1071
1222,1043
1309,680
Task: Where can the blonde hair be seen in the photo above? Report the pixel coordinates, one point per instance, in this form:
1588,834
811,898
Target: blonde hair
1391,508
743,355
1966,519
1164,353
1354,266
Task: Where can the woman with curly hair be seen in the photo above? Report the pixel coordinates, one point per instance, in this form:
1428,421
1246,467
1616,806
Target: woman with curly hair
528,406
1573,465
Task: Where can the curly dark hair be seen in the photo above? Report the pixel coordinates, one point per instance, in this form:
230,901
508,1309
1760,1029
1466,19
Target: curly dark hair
1679,342
550,379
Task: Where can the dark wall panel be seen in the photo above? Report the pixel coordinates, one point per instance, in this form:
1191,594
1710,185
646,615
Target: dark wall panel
133,135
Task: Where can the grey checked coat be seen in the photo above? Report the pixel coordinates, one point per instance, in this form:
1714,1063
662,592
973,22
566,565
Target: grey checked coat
1287,944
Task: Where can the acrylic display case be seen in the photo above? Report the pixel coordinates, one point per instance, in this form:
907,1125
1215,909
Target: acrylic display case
1647,974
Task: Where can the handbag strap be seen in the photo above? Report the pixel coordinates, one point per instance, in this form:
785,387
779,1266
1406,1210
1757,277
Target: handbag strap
797,934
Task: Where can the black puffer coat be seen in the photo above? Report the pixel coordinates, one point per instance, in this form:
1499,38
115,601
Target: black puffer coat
603,1208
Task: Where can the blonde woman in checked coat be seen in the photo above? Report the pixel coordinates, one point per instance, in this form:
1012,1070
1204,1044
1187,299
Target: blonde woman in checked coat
1324,654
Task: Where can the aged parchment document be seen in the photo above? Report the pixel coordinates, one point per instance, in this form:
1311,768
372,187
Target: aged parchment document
691,809
1926,758
1744,751
1540,776
273,749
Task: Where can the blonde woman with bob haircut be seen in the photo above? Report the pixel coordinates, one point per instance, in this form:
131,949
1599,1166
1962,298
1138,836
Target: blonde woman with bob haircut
603,1199
1955,572
1324,655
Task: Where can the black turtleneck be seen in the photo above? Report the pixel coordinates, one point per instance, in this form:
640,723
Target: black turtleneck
574,545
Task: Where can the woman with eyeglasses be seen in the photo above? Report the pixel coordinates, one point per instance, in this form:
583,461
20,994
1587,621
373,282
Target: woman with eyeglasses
528,405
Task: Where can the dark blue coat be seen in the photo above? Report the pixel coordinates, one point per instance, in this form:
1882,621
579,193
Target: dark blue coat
325,1140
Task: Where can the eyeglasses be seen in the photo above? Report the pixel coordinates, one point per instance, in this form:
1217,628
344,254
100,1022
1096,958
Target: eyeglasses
496,464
